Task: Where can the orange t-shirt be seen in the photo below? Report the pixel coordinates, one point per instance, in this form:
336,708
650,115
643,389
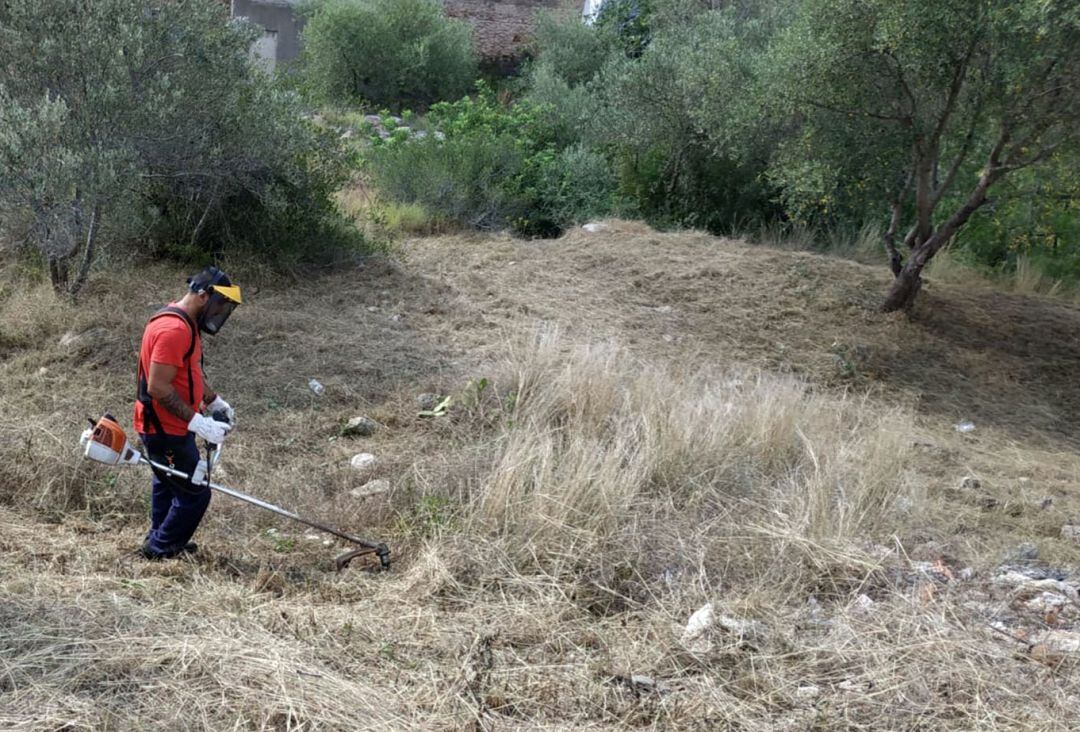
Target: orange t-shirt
165,340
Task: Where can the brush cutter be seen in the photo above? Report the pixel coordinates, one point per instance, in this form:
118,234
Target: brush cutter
107,443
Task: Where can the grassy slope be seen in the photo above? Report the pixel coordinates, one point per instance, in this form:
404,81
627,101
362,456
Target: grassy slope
544,556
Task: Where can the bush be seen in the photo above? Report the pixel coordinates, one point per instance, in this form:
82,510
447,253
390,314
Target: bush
487,166
388,53
157,132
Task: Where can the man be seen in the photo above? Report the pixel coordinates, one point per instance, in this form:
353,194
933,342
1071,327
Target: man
168,413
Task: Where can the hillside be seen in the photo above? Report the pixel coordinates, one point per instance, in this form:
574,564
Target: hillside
643,423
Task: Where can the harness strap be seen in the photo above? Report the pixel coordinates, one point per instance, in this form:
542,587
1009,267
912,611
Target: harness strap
143,393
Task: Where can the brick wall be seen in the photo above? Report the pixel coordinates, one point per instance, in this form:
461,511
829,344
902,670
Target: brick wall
503,27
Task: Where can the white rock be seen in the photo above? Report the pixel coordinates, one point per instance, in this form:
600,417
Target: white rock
363,462
1054,645
808,691
1070,532
970,483
371,488
851,685
695,635
665,309
361,426
862,605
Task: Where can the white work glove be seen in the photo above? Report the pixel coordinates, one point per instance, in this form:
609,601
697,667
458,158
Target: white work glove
209,429
219,404
85,437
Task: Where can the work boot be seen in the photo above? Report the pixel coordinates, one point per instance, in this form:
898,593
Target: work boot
154,556
148,553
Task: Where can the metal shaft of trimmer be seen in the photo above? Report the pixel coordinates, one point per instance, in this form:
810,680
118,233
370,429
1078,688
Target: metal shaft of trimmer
381,550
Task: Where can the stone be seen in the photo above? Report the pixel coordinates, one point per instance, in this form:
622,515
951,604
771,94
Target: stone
427,402
808,691
695,636
648,685
87,339
363,462
1055,646
371,488
1024,552
1071,532
665,309
373,119
360,427
970,483
862,605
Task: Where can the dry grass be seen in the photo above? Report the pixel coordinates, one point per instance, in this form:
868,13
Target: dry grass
763,445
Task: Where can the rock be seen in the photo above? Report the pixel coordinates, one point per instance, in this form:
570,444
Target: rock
43,370
862,605
360,427
970,483
808,691
1055,646
427,402
665,309
1024,552
363,462
87,339
852,685
695,636
1071,532
371,488
373,119
648,685
373,308
1046,503
741,629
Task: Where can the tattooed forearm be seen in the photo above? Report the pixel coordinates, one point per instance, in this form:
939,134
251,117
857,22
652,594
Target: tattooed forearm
177,406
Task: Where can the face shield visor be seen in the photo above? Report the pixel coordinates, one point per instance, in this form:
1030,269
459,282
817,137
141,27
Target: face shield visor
223,300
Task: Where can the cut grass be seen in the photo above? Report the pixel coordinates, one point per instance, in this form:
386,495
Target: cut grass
553,532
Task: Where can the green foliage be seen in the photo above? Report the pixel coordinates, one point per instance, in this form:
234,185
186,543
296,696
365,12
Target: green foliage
925,105
150,125
488,166
388,53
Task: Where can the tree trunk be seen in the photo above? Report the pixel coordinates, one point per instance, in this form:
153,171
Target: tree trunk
88,254
908,282
58,274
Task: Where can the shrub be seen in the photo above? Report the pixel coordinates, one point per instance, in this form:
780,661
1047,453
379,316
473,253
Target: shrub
489,166
389,53
158,131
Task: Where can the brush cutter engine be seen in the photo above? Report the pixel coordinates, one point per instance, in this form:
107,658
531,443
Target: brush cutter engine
107,443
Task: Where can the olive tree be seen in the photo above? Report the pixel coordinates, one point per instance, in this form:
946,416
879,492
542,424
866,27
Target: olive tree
147,121
924,105
396,54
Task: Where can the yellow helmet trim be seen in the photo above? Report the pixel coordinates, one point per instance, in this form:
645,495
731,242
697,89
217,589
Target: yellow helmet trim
232,292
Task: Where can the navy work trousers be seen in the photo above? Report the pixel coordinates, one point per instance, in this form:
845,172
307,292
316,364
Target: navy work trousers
176,506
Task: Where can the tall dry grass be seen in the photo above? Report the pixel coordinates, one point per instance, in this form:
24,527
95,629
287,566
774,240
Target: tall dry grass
689,472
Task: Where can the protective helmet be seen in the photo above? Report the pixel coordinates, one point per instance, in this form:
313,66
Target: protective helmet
224,296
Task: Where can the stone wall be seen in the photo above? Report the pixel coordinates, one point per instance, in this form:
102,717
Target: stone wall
502,28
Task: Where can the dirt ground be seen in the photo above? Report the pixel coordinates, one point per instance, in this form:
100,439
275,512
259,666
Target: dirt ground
91,637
